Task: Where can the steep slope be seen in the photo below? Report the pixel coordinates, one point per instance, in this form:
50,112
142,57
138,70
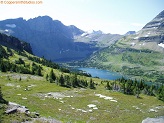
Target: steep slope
151,36
14,43
140,55
48,38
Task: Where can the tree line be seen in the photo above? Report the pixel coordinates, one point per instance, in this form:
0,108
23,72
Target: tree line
134,87
71,80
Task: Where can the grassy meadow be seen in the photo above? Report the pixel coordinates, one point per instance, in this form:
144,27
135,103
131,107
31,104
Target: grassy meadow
71,104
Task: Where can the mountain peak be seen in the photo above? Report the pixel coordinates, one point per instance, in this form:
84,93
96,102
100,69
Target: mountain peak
45,17
130,33
157,22
160,15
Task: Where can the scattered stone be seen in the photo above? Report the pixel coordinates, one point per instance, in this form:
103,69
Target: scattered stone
10,84
95,108
24,98
91,105
14,107
84,111
154,120
79,109
152,110
62,101
72,108
49,94
113,100
108,98
90,110
18,86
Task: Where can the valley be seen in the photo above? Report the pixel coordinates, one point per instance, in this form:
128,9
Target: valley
52,93
35,89
140,55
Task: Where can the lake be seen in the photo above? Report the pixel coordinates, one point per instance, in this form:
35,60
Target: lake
103,74
108,75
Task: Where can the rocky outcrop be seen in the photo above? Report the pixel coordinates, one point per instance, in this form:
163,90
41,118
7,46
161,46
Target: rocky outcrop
154,30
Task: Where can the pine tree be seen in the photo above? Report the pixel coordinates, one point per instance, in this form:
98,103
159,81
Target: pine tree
67,81
52,76
47,77
74,81
3,67
108,86
1,95
160,93
61,80
91,84
39,71
20,79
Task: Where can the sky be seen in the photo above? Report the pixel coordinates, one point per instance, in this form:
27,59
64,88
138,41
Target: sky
109,16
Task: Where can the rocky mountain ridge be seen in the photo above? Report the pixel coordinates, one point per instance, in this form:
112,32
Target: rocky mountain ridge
51,38
151,36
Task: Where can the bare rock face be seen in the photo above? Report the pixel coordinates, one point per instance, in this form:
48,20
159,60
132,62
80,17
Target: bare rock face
151,36
154,120
154,30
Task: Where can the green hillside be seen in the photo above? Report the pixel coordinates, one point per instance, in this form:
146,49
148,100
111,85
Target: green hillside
68,104
53,93
142,64
140,55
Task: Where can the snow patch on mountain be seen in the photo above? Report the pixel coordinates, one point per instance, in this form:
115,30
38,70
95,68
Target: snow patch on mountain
91,32
11,25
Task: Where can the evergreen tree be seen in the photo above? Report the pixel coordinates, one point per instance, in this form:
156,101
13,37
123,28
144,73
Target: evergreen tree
52,76
91,84
47,77
1,97
61,80
20,79
3,67
39,71
108,86
74,81
160,93
67,81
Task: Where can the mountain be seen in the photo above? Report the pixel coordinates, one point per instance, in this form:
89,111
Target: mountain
53,40
28,82
140,55
75,31
98,38
14,43
49,38
130,33
151,36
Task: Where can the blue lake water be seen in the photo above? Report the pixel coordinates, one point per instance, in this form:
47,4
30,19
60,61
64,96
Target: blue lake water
103,74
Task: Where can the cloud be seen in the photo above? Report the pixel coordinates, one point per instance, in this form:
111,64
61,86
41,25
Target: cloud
137,24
